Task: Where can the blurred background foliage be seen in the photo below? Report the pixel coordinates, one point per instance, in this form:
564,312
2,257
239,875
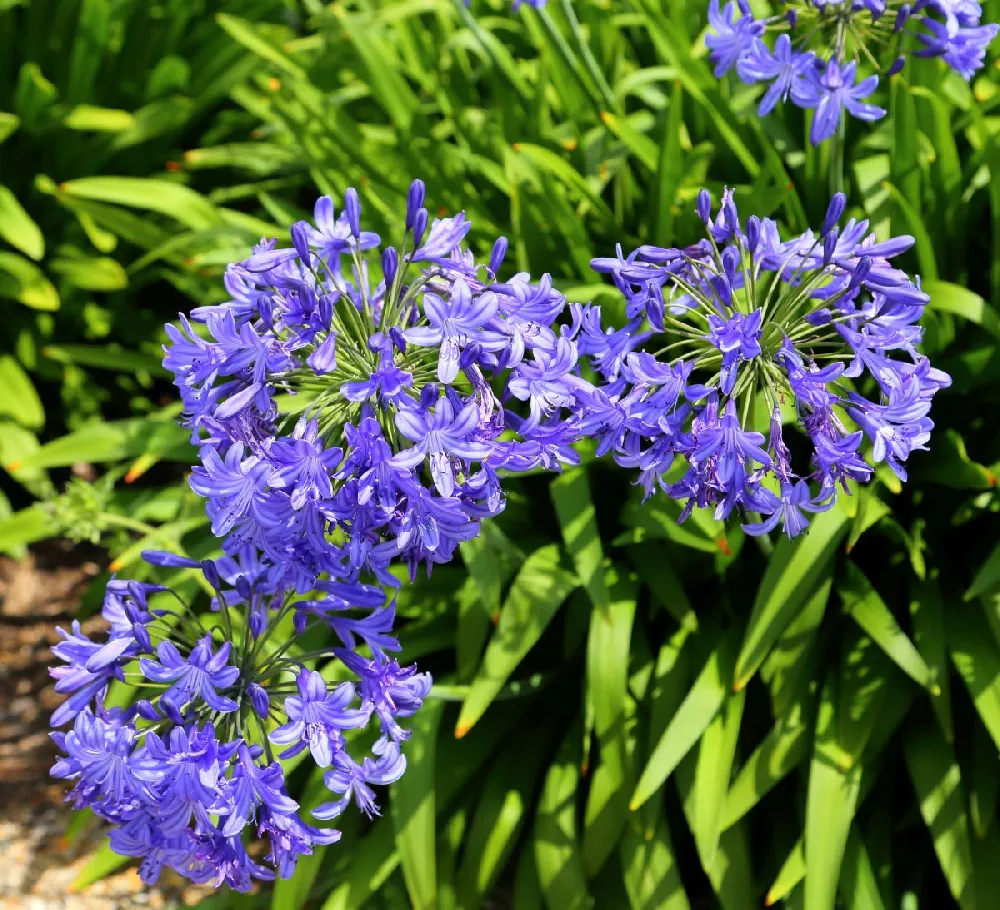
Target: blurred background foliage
628,712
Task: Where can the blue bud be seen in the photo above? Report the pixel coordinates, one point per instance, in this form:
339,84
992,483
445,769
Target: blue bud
211,573
829,246
258,620
861,271
147,711
352,207
301,242
414,201
704,208
142,636
419,226
390,263
497,256
901,17
833,213
753,232
259,699
897,66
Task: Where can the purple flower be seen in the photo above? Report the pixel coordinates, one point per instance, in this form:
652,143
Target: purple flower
440,436
454,325
733,30
738,338
316,718
830,90
783,68
839,296
199,676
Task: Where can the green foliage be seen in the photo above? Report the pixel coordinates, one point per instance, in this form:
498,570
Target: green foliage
628,712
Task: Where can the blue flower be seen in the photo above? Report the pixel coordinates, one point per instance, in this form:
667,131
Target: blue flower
175,776
767,304
733,31
317,718
196,677
440,436
818,45
454,325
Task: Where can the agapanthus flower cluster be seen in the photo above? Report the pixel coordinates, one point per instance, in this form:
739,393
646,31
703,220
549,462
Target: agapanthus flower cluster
409,377
188,774
817,50
735,336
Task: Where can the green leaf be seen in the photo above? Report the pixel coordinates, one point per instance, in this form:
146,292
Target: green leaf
792,871
789,667
959,301
607,690
858,884
98,273
669,171
148,194
655,570
536,594
949,465
101,864
501,812
106,357
18,228
577,521
8,125
977,660
105,442
871,510
254,39
23,281
696,712
938,782
707,796
636,142
649,869
413,807
24,527
730,871
557,851
98,119
830,804
987,578
927,615
784,748
795,569
982,781
19,400
869,611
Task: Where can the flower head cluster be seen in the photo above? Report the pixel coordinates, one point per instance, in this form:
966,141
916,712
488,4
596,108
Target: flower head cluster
742,332
354,405
186,775
818,45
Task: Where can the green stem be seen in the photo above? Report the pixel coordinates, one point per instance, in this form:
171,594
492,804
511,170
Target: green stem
570,58
589,61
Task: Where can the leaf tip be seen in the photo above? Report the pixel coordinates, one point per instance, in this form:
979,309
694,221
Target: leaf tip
461,729
114,565
132,474
274,83
634,804
607,118
12,466
723,546
769,900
